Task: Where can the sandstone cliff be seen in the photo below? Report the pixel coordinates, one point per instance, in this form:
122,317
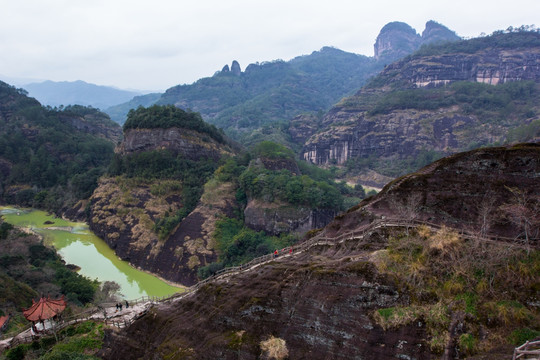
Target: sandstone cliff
189,143
390,120
491,66
89,125
473,191
156,219
398,39
362,298
124,212
275,218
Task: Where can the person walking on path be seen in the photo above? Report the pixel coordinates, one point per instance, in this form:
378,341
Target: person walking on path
276,253
127,304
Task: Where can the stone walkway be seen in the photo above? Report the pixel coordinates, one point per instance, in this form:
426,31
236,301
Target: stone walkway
110,315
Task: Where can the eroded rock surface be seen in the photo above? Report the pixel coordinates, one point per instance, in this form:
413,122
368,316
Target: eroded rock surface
189,143
321,311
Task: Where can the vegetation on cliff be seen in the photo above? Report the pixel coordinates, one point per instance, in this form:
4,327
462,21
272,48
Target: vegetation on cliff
29,269
508,111
512,38
45,161
187,178
445,98
170,116
270,174
487,288
491,103
271,92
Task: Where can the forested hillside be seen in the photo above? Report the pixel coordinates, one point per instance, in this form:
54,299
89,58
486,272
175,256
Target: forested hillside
51,157
440,100
181,200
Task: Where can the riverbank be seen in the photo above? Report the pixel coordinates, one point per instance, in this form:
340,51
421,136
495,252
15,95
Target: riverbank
77,245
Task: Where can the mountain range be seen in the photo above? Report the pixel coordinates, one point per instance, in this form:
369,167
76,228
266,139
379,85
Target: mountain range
442,262
77,93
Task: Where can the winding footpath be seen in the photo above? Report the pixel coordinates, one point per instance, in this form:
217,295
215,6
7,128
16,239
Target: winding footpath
107,312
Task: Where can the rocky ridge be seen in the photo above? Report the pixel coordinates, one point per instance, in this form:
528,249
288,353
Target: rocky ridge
123,213
189,143
468,190
324,304
354,130
275,218
398,39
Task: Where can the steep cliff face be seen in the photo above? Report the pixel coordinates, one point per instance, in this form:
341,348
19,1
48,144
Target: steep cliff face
344,301
320,310
95,124
478,191
124,212
398,134
490,66
156,219
277,219
412,106
398,39
276,215
189,143
302,127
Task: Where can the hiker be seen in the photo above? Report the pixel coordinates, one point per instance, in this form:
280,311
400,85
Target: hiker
117,307
290,250
120,305
276,253
127,304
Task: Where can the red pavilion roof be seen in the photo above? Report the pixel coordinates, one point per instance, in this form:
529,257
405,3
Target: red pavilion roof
3,320
44,309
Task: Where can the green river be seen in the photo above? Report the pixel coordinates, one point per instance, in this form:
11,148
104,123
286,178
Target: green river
79,246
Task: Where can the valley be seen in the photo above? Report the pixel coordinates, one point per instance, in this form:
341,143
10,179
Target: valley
80,247
333,206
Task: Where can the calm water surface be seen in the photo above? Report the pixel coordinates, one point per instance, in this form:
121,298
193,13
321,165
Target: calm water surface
78,245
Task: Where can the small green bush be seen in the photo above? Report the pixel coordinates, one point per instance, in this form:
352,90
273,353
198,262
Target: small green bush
520,336
467,344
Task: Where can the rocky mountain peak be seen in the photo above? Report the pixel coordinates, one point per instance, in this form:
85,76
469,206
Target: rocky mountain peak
435,32
395,40
235,68
225,68
398,39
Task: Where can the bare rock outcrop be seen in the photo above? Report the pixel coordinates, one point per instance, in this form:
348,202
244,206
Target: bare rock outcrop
397,39
124,214
276,219
352,129
319,310
189,143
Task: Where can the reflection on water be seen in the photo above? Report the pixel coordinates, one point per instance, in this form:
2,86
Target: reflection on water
78,245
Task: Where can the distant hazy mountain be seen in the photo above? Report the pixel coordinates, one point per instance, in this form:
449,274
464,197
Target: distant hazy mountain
118,112
398,39
78,92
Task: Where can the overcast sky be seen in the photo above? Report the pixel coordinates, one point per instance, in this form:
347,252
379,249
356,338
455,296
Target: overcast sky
156,44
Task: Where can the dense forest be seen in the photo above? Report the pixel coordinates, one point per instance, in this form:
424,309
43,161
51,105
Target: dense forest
45,161
306,186
170,116
272,92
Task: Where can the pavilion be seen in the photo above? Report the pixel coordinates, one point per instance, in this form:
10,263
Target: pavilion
44,310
